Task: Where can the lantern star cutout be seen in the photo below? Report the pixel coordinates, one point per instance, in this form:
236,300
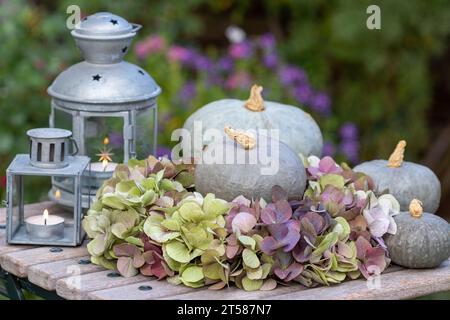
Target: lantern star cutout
105,153
114,22
97,77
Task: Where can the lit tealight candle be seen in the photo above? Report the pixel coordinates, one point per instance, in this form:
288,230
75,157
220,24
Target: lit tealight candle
45,226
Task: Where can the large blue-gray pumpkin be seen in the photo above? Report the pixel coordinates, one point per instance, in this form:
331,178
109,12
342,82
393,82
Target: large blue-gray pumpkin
422,239
296,128
404,180
252,176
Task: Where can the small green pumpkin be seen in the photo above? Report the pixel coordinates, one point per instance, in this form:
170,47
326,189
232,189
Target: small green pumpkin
296,128
422,239
229,178
404,180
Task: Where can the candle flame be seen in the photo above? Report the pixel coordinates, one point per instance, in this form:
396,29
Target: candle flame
57,194
45,216
106,141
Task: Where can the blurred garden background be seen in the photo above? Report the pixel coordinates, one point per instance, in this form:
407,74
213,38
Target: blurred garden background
367,89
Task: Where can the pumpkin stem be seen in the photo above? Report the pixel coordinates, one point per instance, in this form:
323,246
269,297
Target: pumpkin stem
415,208
396,158
255,102
244,139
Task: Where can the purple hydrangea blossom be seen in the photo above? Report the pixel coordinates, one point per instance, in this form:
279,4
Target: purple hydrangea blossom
349,131
329,149
224,64
321,103
162,151
115,140
240,50
240,79
351,149
152,43
303,93
187,92
180,54
201,62
270,60
267,42
291,75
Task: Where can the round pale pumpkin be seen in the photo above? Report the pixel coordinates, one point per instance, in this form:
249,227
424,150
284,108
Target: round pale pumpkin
422,239
404,180
296,128
274,163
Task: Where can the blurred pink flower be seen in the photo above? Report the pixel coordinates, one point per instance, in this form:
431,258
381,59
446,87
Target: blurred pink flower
153,43
179,54
240,50
239,79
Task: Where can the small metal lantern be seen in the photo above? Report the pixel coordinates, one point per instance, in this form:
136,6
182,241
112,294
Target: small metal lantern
108,104
49,147
56,224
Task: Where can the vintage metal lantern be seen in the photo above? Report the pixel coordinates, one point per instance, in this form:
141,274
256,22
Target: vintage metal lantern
108,104
56,224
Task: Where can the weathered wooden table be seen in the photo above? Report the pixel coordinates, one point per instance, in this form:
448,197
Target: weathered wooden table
67,273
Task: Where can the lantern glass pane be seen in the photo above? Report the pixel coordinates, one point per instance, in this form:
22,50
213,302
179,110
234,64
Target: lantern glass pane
62,119
104,134
145,133
21,216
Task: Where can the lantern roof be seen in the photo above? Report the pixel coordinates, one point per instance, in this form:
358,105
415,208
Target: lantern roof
103,25
112,87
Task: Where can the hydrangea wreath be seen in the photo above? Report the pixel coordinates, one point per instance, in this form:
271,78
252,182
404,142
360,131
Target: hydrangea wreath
148,219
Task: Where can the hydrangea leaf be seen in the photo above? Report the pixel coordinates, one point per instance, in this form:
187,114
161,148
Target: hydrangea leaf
134,240
217,286
328,241
255,274
342,228
175,280
214,207
98,245
333,180
148,183
192,274
268,285
247,241
191,211
250,259
244,222
114,201
178,251
251,285
153,228
148,198
171,224
105,263
126,268
213,271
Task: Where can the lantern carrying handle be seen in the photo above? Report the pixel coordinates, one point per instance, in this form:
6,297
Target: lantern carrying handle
74,147
136,27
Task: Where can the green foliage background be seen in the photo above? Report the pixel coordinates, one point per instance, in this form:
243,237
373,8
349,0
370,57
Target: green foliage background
379,79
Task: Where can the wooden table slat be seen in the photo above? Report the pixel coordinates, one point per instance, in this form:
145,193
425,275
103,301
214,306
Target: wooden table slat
46,275
233,293
159,289
5,248
407,284
78,287
18,262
